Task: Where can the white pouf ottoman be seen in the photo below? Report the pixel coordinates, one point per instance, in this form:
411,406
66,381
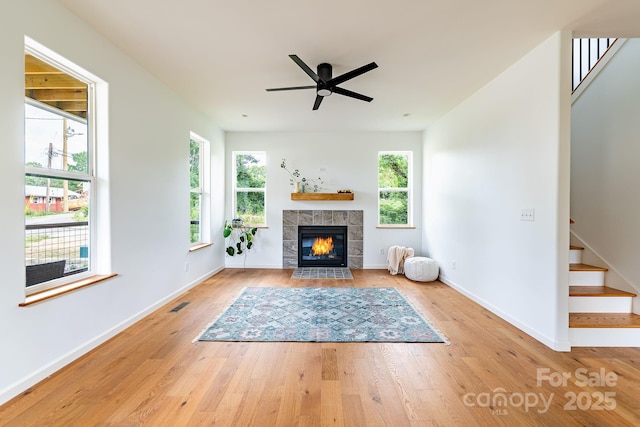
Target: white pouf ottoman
421,269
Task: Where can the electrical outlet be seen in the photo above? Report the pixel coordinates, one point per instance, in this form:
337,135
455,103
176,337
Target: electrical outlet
454,265
381,251
186,266
527,214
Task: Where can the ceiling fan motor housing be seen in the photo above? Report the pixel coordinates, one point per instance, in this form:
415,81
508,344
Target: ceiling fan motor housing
324,72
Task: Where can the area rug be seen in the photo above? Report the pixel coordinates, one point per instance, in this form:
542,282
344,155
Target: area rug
321,315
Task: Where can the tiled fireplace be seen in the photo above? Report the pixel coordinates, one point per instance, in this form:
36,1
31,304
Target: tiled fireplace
291,219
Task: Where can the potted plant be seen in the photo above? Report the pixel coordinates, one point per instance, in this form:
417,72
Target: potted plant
238,237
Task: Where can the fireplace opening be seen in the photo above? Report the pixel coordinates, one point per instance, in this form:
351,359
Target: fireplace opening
322,246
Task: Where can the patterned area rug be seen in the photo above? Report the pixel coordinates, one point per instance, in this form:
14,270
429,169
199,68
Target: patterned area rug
322,315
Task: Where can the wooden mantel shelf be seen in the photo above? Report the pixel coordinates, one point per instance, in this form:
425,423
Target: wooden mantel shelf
321,196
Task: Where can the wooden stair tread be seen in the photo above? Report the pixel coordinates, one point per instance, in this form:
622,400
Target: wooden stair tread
586,267
576,248
597,291
604,320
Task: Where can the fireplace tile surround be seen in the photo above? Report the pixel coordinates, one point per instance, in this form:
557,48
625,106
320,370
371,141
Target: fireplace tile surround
351,218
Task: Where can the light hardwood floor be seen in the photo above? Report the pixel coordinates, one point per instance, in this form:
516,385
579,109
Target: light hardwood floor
152,374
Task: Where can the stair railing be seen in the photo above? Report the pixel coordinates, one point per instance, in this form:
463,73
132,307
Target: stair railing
586,54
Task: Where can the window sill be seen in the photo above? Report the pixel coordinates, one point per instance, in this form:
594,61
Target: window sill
60,290
199,246
408,227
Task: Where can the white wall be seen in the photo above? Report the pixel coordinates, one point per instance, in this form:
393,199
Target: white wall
604,163
148,210
342,160
504,149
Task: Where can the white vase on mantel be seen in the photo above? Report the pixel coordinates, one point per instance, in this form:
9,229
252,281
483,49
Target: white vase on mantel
297,187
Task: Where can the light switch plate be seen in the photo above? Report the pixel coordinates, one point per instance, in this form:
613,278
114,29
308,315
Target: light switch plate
528,214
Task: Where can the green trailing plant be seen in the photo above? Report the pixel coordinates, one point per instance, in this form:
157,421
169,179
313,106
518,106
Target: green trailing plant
238,238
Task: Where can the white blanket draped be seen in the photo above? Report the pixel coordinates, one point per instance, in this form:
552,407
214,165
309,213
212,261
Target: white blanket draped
396,257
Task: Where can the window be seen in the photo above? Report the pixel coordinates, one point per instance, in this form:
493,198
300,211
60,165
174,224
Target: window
59,186
249,186
199,200
394,188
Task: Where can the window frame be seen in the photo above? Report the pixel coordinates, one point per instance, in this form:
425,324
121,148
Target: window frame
408,189
202,190
234,185
51,58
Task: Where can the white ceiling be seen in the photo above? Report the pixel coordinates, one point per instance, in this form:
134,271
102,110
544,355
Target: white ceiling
432,54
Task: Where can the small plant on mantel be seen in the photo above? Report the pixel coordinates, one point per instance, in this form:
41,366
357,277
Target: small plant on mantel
239,237
300,184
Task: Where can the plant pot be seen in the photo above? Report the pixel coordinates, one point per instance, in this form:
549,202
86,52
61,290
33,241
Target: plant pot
297,187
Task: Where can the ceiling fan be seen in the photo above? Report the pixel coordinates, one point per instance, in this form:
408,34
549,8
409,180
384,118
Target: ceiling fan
326,84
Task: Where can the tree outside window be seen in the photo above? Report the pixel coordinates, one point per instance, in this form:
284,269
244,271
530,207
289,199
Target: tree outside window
199,191
250,178
195,176
394,187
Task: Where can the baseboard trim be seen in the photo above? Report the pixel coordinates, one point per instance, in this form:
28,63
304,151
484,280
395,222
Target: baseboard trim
29,381
252,267
375,267
552,344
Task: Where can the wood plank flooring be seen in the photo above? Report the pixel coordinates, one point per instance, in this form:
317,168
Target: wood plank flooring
492,374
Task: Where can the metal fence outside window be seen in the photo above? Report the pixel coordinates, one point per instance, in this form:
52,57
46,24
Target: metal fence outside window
69,241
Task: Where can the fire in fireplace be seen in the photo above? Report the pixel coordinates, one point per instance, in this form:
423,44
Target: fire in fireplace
322,246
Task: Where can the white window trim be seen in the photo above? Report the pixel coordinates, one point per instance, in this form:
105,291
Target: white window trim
235,189
408,189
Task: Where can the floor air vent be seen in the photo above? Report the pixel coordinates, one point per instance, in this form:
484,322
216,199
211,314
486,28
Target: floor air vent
178,307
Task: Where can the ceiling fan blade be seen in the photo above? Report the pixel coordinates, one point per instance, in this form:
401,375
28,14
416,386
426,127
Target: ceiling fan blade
306,69
316,104
275,89
351,74
351,94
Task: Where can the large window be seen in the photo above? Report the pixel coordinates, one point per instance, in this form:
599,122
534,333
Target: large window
199,200
249,186
394,188
59,185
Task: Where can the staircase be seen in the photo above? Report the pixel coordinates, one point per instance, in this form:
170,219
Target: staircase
599,316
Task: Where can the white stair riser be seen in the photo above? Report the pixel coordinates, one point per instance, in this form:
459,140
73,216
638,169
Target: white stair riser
575,256
587,278
604,337
600,305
